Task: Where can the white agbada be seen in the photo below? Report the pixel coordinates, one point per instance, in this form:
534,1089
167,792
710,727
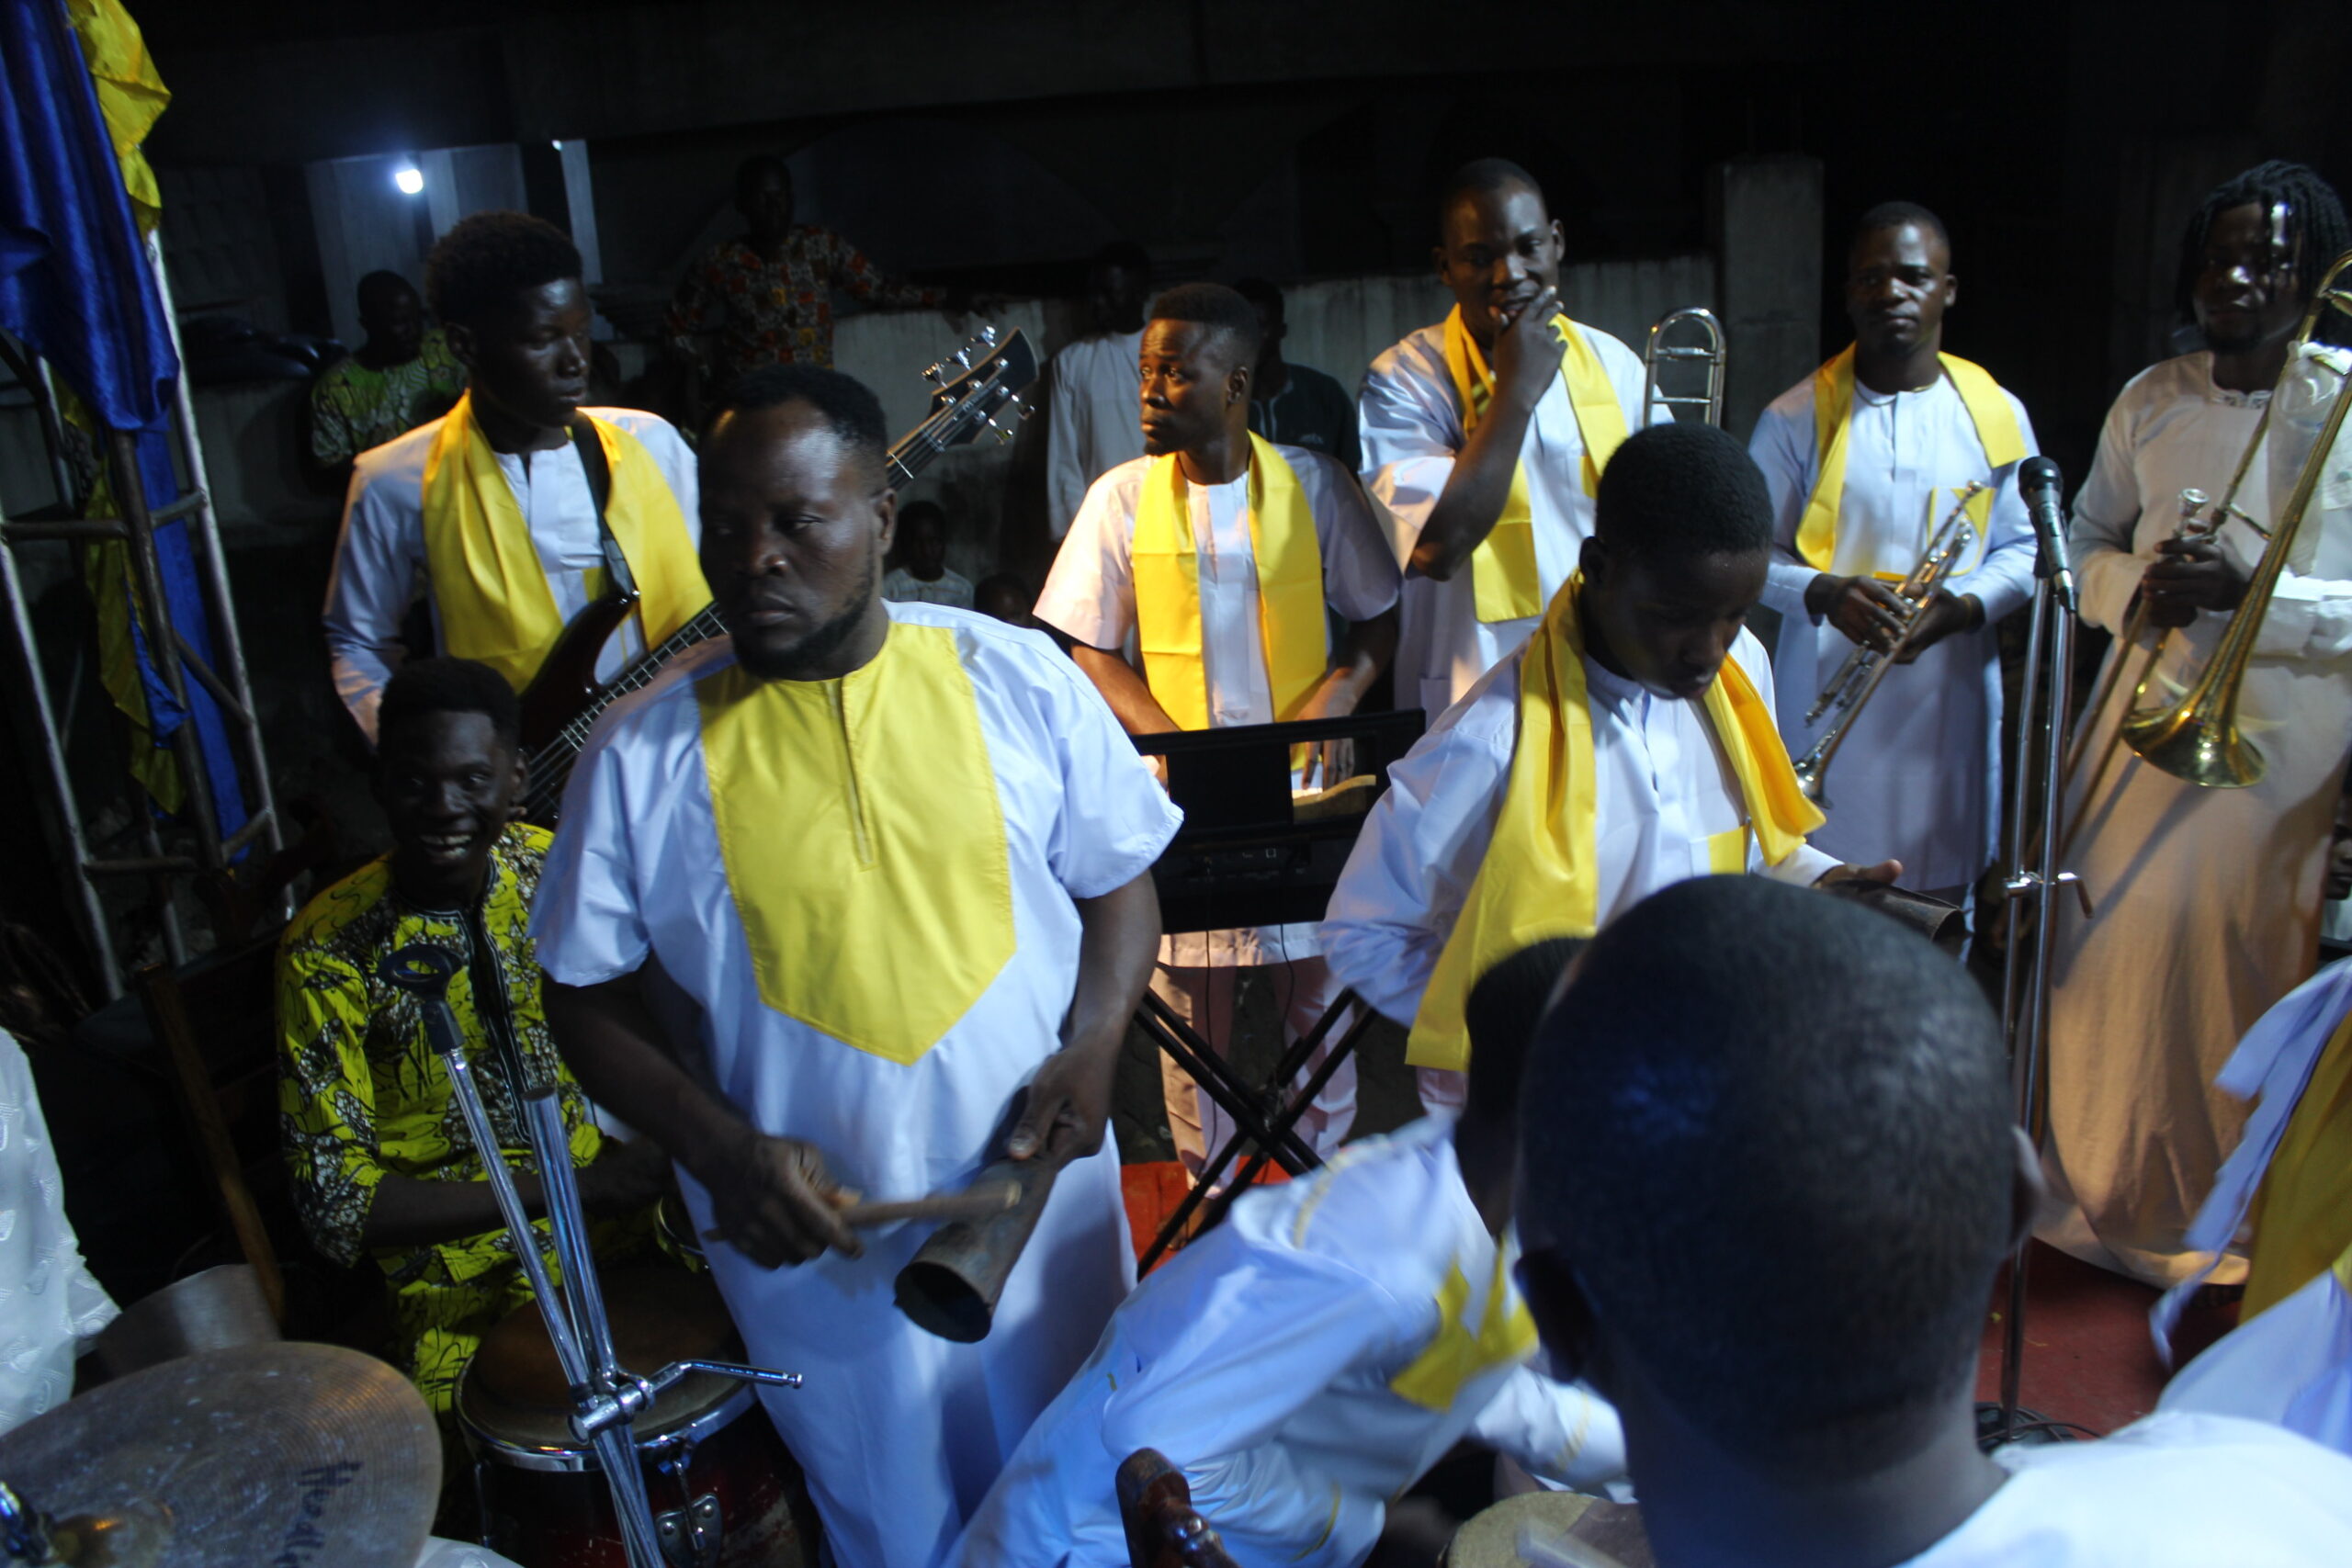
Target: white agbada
2208,900
51,1304
1093,417
1260,1363
380,561
900,1432
1918,776
1411,425
1667,798
2169,1491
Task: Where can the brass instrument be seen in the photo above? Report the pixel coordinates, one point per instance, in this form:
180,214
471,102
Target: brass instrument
1710,349
1847,691
2197,738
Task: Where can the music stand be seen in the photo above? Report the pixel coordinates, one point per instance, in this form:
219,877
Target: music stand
1244,857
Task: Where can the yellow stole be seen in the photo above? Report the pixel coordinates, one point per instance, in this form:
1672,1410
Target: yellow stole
1502,569
1501,1332
2303,1214
488,581
1168,587
1541,876
1833,408
864,844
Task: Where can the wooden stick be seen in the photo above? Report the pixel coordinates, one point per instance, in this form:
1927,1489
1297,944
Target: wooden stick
979,1203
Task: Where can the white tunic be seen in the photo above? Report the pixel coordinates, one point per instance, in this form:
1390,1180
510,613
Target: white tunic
2165,1491
1090,595
1411,425
51,1304
1260,1363
2207,899
1666,796
1093,417
380,561
1919,776
900,1432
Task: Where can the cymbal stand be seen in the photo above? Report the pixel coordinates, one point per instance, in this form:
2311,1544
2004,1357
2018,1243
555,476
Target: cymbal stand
606,1398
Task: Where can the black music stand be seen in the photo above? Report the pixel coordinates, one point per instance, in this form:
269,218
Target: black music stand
1244,858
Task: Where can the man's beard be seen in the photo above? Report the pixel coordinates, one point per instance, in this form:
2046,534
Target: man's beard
795,661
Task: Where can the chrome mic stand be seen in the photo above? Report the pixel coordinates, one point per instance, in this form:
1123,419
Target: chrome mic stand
2025,1002
607,1397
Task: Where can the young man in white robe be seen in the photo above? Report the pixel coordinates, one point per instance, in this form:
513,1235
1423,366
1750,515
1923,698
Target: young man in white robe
1309,1359
491,507
1868,458
2207,900
1221,553
1629,745
1090,398
1485,436
856,901
1768,1170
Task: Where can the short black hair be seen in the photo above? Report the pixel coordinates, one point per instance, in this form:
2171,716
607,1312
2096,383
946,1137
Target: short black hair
914,508
1010,584
846,403
1125,254
1893,214
378,286
1768,1131
1483,177
1500,1015
1674,492
448,685
485,260
1260,291
2315,220
1214,306
756,165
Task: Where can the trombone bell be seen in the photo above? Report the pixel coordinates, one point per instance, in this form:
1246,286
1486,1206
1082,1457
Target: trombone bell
1708,346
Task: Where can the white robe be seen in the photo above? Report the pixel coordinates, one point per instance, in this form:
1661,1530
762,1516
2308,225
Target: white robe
1260,1361
2207,899
1411,425
380,561
1918,776
51,1306
1664,791
1093,417
900,1432
2166,1491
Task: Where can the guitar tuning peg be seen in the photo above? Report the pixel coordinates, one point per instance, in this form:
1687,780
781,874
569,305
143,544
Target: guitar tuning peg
1002,434
963,356
1026,408
988,333
931,374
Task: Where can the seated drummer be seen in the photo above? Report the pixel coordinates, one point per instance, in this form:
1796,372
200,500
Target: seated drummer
1312,1357
381,1163
1767,1174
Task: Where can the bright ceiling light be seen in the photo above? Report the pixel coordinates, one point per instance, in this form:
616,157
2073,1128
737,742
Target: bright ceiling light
410,178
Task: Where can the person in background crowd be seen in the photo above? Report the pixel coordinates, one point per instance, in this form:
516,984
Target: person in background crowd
921,576
400,377
1295,405
1090,404
1003,595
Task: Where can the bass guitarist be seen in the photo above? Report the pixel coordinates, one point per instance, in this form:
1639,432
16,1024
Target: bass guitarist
519,509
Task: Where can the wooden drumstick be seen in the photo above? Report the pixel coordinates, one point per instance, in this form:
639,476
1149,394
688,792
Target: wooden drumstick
978,1203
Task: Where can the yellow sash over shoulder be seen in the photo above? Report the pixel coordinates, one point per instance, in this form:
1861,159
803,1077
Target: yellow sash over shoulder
1168,587
1833,408
864,842
1540,877
1502,569
488,581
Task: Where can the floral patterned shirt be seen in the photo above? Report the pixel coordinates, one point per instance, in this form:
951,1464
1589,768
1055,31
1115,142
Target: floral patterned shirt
779,312
354,408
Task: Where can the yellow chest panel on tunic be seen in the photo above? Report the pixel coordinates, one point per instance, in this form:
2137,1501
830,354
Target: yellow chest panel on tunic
864,848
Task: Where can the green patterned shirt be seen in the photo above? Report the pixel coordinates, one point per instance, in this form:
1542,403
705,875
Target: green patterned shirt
354,408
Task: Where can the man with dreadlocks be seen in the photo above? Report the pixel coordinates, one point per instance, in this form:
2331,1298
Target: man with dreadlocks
2208,900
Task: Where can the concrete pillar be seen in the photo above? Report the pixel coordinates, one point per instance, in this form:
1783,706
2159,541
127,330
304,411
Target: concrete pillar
1764,223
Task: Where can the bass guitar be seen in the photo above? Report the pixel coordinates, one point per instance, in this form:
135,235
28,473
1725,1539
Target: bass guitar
560,707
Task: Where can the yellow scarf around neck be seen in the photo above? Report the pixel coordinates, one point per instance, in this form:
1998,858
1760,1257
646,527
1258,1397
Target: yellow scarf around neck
1833,409
1502,569
864,842
488,580
1168,587
1541,878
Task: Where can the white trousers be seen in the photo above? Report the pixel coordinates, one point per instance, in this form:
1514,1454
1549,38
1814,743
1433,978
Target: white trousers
1304,990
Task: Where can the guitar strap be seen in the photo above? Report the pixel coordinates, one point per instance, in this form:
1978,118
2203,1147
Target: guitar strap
600,491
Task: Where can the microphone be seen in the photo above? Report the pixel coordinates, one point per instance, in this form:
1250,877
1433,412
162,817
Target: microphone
2038,484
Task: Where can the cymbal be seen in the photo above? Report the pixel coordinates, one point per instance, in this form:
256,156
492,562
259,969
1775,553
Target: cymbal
305,1456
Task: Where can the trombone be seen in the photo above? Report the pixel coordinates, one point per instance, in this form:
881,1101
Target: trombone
1708,346
2197,738
1847,691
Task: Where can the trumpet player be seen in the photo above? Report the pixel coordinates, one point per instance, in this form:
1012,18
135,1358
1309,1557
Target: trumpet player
2208,900
1869,459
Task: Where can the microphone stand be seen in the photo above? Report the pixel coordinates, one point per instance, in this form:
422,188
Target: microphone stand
606,1398
2025,1003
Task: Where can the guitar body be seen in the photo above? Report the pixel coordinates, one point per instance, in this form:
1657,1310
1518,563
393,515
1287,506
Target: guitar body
567,684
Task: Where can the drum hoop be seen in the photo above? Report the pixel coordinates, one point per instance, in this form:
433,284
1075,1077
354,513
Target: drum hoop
572,1462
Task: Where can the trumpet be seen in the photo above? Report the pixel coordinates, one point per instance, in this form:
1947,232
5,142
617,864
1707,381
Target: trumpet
1710,348
1848,691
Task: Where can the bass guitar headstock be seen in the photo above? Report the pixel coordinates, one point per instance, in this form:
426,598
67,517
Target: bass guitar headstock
981,379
